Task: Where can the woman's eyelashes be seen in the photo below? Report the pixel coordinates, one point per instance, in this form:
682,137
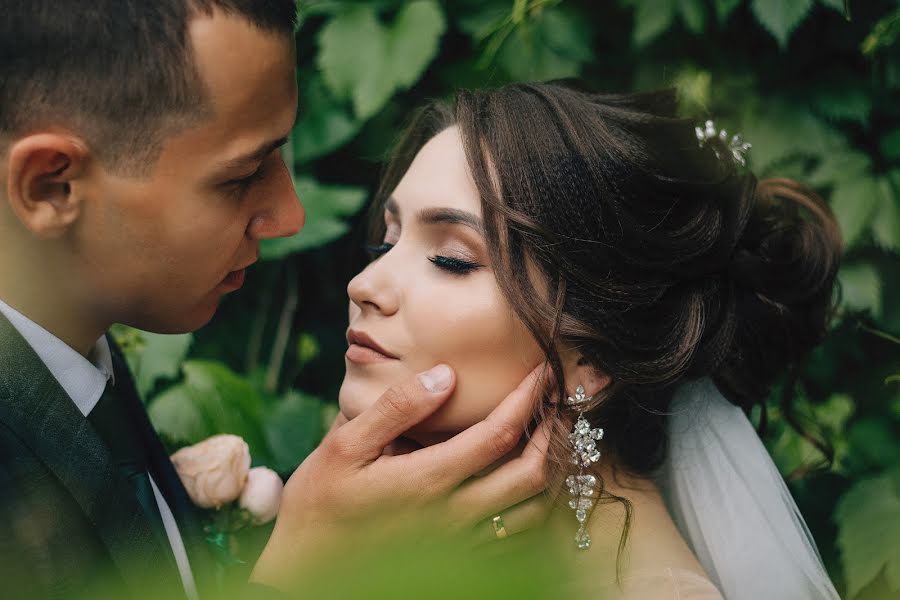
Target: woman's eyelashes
448,264
457,266
377,250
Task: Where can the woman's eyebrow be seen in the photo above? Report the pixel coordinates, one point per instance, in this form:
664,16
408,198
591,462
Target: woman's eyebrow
451,216
439,216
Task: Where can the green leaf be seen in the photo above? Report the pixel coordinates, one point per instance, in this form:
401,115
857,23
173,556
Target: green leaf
868,519
414,40
694,89
293,428
161,357
861,288
724,8
780,131
886,224
890,145
212,399
651,18
838,166
834,413
849,102
484,22
837,5
874,443
781,17
326,207
342,41
567,33
324,124
324,232
552,45
883,35
151,356
395,56
854,203
693,14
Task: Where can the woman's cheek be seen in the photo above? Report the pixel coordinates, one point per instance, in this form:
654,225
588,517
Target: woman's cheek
491,352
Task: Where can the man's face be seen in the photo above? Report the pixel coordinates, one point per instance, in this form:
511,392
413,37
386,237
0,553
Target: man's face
158,252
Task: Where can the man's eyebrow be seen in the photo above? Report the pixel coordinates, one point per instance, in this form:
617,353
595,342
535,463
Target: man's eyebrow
256,155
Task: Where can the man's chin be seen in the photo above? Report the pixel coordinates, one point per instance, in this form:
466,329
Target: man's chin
186,323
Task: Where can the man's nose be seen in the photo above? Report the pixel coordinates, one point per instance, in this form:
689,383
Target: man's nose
283,215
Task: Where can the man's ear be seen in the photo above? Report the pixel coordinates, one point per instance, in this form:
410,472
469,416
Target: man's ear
41,169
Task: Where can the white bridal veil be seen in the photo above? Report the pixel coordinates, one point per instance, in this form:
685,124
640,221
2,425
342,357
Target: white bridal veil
732,506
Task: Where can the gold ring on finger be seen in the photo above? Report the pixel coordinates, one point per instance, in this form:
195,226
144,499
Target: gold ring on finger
499,528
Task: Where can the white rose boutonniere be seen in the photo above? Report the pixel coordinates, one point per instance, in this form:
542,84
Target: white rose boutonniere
262,495
214,471
217,476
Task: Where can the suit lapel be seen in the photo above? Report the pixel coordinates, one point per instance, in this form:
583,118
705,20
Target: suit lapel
183,509
38,410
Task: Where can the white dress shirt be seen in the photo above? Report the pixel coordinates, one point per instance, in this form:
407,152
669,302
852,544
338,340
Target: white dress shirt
84,381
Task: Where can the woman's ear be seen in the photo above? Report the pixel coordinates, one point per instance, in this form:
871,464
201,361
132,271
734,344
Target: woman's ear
41,169
578,371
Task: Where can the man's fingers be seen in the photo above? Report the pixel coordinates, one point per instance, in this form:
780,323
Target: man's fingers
449,463
398,409
521,517
339,420
539,444
508,485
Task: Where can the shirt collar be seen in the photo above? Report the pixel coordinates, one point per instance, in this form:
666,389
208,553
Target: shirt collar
82,379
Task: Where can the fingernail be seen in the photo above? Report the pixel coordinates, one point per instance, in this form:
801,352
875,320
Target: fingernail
437,379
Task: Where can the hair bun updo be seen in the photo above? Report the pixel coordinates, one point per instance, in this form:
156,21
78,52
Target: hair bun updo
783,268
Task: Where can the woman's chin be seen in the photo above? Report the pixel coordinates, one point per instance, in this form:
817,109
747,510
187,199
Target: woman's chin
355,397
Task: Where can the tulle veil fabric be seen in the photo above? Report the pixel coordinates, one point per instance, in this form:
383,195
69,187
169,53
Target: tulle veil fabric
732,506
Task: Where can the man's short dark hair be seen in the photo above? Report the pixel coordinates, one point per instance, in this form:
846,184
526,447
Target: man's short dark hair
121,73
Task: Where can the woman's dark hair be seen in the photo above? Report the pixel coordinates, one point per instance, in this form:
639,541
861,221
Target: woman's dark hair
664,260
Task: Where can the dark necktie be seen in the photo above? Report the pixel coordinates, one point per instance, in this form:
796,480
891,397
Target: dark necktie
116,428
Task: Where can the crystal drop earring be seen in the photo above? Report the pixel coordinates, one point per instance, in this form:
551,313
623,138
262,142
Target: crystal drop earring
584,453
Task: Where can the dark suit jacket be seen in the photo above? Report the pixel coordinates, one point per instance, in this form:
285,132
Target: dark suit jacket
69,524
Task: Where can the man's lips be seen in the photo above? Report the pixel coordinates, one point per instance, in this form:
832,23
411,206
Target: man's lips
235,279
363,349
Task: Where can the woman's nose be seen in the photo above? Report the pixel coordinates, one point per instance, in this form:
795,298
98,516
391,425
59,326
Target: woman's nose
373,289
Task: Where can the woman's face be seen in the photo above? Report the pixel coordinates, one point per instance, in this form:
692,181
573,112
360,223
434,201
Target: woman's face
430,297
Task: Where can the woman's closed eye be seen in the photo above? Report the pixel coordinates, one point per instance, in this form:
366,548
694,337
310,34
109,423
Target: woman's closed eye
456,266
448,264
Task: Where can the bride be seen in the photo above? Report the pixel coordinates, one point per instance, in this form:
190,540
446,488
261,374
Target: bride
664,284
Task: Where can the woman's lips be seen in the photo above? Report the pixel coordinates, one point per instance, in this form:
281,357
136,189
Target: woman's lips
363,355
365,350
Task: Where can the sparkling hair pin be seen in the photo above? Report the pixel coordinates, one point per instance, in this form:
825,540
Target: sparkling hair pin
736,144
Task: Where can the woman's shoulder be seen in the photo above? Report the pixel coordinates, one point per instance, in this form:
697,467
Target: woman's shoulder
654,563
668,582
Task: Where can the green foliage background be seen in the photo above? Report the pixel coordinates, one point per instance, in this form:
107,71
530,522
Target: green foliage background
813,84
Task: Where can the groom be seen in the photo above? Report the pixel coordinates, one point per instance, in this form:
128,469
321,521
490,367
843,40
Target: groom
139,171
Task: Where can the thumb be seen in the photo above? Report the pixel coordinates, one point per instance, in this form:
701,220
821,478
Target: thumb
398,409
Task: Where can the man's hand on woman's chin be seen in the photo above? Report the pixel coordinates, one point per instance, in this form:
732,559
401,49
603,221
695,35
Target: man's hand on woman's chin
349,476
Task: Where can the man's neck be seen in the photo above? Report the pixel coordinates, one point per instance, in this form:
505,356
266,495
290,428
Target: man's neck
27,289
